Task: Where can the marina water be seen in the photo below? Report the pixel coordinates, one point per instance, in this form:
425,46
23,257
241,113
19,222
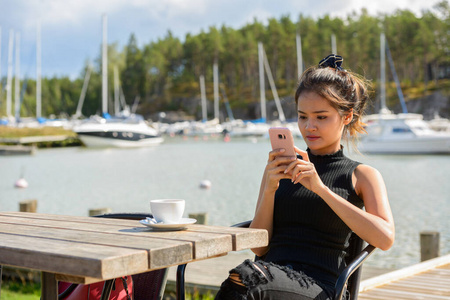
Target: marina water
73,180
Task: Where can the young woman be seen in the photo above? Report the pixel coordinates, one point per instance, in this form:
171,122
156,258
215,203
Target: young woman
311,203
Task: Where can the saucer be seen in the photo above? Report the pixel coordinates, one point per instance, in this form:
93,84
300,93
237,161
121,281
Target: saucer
175,226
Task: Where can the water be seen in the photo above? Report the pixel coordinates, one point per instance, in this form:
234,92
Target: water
73,180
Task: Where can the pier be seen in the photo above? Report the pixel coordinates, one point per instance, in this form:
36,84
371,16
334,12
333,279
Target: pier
426,280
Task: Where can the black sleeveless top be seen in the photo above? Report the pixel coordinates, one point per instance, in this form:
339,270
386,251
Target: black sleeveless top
307,234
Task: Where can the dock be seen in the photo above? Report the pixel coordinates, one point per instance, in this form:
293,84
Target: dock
17,150
426,280
34,139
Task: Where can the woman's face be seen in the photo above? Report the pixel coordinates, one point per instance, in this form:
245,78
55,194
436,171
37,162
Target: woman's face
320,124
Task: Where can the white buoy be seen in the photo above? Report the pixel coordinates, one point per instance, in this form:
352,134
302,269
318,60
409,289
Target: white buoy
205,184
21,183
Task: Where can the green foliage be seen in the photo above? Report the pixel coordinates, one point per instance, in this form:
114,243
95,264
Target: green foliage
163,73
13,290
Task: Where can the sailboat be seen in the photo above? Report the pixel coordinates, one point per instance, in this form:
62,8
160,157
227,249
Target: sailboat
259,127
403,133
127,130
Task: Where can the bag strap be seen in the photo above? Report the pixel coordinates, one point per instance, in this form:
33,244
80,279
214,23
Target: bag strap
125,285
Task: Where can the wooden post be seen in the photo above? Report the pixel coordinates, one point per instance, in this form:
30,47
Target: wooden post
28,206
99,211
202,218
49,289
429,245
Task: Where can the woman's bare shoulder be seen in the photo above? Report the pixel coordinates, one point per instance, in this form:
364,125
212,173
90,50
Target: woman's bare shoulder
366,176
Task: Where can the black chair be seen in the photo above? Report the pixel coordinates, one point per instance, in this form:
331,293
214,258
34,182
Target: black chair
351,276
146,286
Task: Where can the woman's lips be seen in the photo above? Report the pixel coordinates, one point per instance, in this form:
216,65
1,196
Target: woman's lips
312,137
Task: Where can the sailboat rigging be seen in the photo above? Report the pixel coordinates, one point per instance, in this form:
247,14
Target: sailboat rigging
129,130
404,133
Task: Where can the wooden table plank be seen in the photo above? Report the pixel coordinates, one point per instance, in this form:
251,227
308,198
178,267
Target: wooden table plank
85,249
243,238
161,253
67,257
200,235
204,244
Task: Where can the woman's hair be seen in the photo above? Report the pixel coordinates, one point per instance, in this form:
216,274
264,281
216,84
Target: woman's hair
346,91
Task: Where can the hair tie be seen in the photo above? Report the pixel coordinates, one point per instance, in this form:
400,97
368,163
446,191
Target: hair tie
332,61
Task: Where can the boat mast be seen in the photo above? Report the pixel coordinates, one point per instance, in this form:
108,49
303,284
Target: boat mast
216,90
116,92
333,44
298,42
383,72
10,70
38,71
105,67
1,85
274,89
17,79
83,92
262,88
397,82
203,96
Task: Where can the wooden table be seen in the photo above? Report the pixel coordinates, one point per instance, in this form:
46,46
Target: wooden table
87,250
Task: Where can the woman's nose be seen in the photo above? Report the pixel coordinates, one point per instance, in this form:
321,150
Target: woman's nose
310,125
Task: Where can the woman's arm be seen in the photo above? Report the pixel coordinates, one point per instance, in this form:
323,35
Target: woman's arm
375,224
273,173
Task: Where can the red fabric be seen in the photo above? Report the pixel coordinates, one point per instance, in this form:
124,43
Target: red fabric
94,291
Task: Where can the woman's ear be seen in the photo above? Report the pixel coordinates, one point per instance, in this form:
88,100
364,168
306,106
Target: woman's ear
348,117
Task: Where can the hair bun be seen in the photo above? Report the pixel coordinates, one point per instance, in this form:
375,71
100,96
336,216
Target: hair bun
332,61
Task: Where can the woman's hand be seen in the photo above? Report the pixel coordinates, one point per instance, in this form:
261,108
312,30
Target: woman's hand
303,171
275,169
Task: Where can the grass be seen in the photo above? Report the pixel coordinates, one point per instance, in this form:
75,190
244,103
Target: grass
14,290
14,132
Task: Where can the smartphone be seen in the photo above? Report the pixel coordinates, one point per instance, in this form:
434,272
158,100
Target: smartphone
281,138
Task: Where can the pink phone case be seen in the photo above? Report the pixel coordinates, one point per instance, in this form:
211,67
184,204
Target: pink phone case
281,138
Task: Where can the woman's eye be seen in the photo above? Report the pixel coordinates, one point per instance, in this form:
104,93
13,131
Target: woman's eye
301,117
321,117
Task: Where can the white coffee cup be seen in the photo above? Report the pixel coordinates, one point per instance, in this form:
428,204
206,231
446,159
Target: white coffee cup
168,211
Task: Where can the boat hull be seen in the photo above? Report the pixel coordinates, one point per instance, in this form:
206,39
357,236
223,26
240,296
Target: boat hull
425,145
117,134
90,140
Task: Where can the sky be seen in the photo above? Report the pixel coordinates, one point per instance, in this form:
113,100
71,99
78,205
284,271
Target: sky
71,30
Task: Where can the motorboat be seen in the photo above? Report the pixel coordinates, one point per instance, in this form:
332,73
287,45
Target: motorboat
115,132
404,133
126,129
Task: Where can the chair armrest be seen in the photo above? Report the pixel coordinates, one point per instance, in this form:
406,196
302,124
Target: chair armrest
244,224
348,271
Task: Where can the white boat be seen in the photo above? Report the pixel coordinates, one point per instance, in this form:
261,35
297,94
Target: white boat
123,133
240,128
439,124
125,130
402,134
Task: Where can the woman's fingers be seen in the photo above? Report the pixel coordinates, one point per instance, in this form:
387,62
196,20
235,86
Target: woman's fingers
298,163
302,153
274,153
